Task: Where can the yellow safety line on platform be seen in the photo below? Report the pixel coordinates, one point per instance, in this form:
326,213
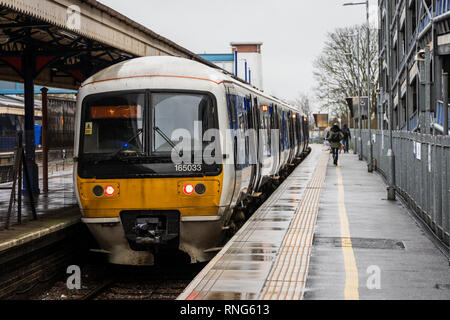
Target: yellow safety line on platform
287,278
351,270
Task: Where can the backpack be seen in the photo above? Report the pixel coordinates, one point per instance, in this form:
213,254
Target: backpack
335,136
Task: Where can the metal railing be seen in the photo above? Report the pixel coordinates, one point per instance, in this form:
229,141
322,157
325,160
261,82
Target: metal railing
442,6
424,22
440,113
422,177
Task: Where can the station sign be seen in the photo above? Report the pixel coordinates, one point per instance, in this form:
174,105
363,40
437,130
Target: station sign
321,120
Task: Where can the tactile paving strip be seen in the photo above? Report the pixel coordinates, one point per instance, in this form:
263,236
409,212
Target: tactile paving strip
287,278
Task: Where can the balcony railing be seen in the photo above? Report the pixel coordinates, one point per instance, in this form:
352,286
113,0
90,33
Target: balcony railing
440,114
424,22
442,6
413,121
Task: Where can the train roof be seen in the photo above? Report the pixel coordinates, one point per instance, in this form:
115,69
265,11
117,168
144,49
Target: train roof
173,67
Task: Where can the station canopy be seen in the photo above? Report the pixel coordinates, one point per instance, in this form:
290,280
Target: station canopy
65,42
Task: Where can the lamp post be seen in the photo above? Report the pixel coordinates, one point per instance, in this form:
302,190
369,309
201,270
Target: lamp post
359,94
370,157
391,189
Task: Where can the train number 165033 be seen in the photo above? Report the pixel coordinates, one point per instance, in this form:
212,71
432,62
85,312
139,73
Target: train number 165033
188,167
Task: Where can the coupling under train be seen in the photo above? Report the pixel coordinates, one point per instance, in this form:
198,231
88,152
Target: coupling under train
139,191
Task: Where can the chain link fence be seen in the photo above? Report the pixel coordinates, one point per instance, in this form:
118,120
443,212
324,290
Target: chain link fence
422,164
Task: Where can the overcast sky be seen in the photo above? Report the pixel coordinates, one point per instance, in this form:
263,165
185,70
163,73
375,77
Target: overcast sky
293,31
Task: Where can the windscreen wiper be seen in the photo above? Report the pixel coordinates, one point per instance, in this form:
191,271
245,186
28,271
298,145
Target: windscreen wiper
165,137
115,154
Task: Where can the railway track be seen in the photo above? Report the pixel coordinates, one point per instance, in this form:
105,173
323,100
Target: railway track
106,282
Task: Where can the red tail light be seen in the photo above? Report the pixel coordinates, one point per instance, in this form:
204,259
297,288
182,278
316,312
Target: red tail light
188,189
109,190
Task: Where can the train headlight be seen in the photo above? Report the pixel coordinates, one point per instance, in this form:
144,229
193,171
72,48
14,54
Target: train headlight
200,188
109,191
98,190
188,189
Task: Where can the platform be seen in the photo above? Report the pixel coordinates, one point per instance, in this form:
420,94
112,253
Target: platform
60,197
327,233
56,212
53,236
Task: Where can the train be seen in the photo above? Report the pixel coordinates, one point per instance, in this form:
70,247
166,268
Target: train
60,115
168,150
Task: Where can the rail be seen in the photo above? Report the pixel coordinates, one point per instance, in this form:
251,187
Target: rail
440,114
422,178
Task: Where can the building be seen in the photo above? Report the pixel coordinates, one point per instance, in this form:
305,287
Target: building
222,60
414,52
244,61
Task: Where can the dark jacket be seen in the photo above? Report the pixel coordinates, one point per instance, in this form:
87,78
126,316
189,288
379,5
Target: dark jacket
346,132
335,129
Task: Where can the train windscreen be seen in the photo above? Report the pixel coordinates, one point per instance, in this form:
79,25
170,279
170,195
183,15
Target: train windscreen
114,123
188,114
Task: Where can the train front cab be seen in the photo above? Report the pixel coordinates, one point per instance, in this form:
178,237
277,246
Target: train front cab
134,199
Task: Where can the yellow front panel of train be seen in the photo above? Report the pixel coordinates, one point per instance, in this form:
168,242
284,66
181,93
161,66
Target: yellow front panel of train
150,194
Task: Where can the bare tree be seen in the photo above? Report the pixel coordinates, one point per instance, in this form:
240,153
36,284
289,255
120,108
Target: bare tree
304,102
336,69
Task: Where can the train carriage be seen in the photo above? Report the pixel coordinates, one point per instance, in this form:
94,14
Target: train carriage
140,189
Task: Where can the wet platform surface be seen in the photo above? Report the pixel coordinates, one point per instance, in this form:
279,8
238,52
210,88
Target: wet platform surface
60,197
366,247
56,211
327,233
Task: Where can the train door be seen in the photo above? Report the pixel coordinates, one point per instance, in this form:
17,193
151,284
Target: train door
291,137
298,121
252,137
294,136
276,126
265,139
281,133
286,137
306,132
235,147
243,144
259,125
